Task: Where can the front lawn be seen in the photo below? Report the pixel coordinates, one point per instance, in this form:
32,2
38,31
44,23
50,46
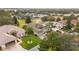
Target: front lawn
35,41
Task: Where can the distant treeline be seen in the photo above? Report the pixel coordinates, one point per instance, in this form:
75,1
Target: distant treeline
44,10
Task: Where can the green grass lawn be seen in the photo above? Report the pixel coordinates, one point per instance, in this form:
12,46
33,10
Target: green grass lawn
35,41
36,20
21,22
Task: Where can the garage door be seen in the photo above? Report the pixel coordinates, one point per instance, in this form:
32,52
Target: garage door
0,48
10,43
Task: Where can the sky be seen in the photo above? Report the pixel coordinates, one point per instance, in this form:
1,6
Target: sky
39,3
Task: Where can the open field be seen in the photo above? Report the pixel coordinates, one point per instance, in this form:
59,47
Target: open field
36,20
21,22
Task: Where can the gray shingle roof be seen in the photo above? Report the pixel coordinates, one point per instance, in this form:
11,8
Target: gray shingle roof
5,38
9,28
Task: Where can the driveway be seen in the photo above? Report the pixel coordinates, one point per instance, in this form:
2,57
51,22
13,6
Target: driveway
14,47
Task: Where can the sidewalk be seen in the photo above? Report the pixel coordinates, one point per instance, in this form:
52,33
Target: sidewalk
35,48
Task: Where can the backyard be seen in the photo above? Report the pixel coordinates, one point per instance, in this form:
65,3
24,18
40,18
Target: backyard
35,41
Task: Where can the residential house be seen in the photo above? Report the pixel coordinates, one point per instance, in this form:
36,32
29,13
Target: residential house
38,29
6,36
11,29
74,21
7,40
59,25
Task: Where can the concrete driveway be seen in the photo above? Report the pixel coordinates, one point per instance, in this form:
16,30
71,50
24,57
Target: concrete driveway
14,47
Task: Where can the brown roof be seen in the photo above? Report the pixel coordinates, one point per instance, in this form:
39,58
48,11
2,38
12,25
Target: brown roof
5,38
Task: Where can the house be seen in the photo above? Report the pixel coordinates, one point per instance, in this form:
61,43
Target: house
59,25
74,21
39,29
7,40
6,36
35,15
11,29
55,29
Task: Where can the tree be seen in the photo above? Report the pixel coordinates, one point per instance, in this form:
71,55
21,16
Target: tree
15,21
5,18
56,42
29,31
77,28
24,27
72,16
48,18
67,42
28,19
51,42
66,18
51,18
69,25
45,18
58,19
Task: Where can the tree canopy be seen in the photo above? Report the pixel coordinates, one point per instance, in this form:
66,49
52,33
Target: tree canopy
15,21
28,19
48,18
57,42
5,18
77,28
29,30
